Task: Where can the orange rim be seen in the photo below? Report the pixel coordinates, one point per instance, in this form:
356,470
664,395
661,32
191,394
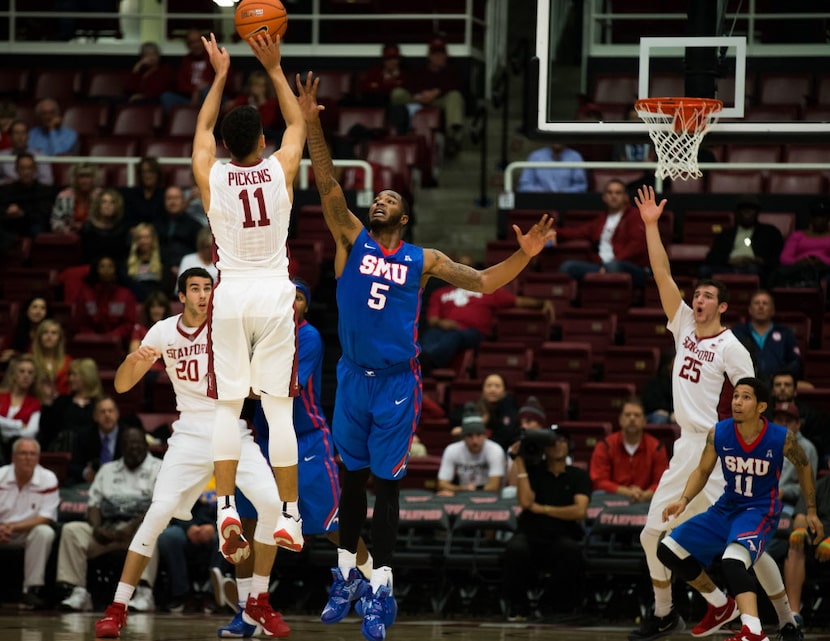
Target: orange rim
690,114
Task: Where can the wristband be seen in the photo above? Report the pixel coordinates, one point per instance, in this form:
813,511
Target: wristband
797,536
825,545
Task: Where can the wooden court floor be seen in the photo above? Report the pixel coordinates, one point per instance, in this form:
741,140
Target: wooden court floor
54,626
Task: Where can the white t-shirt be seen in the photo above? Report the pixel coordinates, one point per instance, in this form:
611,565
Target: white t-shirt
701,368
458,462
121,493
249,215
39,497
606,250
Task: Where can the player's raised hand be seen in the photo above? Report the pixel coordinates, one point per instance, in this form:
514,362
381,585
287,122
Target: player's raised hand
646,202
146,353
537,236
308,97
267,51
675,508
219,58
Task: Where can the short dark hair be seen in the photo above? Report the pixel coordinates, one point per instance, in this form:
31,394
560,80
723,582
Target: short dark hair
23,155
784,372
241,130
723,292
757,385
193,272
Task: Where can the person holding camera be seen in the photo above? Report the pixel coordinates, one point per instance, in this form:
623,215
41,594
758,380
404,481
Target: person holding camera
554,497
476,463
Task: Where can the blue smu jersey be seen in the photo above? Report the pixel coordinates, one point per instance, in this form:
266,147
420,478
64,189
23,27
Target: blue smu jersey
751,471
379,300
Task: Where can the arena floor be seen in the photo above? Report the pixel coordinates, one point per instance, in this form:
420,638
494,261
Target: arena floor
28,626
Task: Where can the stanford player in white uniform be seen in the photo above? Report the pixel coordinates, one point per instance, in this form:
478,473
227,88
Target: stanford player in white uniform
708,357
251,330
181,341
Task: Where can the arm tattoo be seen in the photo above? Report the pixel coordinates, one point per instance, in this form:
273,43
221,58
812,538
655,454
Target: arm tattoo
321,159
794,452
455,273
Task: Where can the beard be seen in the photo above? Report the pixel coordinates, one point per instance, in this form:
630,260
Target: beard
391,223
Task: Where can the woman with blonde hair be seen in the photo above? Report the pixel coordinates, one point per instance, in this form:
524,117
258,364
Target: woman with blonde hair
51,360
105,232
19,403
66,416
144,267
73,203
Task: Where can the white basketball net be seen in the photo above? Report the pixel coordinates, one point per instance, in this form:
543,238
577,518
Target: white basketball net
676,135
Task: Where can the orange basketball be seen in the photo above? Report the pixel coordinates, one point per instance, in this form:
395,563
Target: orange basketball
260,16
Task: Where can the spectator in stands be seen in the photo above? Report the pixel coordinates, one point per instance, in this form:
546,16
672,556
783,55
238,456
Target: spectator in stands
22,335
554,497
658,402
64,417
629,461
118,498
749,247
788,486
18,143
203,256
548,179
144,267
531,417
29,502
805,556
618,237
144,202
154,308
784,389
105,306
773,346
195,74
459,319
150,77
8,114
51,360
437,85
195,208
805,258
72,204
176,232
19,403
475,463
384,85
259,92
98,443
498,410
25,203
51,138
105,232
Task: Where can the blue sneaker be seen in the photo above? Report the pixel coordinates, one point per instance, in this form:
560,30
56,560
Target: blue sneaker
343,594
378,611
238,629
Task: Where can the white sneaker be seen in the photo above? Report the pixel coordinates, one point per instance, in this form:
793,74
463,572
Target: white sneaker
224,590
79,601
289,533
232,543
142,600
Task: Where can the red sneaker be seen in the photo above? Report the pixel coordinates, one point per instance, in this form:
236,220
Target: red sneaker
746,635
109,626
259,610
716,618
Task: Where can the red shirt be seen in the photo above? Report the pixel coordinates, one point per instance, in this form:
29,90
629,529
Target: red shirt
612,465
628,241
107,309
192,72
152,84
468,309
29,406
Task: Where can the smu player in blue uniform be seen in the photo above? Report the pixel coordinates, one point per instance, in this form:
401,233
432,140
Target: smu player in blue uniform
737,527
378,402
317,471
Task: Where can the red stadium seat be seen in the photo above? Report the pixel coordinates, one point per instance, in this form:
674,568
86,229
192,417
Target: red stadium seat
784,88
21,283
510,359
108,84
373,118
783,220
596,327
564,361
106,351
528,326
88,119
630,365
646,326
555,397
615,89
610,292
702,226
736,182
141,121
55,251
801,182
60,84
182,122
602,401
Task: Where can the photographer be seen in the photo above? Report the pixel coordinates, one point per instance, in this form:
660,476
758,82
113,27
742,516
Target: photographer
554,497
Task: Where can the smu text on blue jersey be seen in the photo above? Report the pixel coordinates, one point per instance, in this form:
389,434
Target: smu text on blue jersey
742,465
377,266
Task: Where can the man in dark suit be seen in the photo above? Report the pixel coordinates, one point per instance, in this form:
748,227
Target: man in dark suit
749,247
99,444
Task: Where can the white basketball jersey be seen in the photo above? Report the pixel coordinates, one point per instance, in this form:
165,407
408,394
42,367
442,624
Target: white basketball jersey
185,354
249,215
699,368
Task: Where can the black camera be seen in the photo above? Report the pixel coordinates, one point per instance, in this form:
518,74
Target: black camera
533,444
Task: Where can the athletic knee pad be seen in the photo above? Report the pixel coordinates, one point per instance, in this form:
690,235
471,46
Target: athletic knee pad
683,565
226,442
282,440
738,579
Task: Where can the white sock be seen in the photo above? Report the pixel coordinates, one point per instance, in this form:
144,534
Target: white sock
291,509
381,576
717,598
243,586
662,601
753,623
346,561
123,593
366,567
259,584
783,610
222,501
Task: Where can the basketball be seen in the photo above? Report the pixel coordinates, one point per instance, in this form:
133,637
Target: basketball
260,16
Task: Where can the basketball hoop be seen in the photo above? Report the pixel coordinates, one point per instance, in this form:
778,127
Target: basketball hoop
676,127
